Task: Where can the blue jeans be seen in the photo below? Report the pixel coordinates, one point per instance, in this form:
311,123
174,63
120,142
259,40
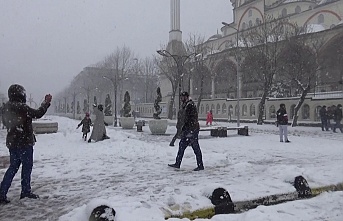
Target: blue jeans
24,156
188,138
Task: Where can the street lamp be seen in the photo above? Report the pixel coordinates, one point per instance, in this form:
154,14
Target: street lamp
238,70
180,61
114,82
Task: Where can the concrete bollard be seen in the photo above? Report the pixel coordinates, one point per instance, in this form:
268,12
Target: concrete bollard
140,126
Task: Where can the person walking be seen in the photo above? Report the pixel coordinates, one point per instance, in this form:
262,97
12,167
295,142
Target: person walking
324,118
209,118
179,125
189,133
17,117
338,118
99,130
282,123
86,126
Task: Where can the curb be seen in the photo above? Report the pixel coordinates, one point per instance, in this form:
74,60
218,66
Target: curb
242,206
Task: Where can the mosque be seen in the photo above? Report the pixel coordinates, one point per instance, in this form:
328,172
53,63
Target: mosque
322,18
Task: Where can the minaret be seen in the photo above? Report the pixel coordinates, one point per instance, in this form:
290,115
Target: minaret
175,33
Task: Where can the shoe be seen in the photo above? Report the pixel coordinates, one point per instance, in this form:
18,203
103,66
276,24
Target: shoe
287,141
89,140
281,141
171,145
174,165
198,169
29,195
4,200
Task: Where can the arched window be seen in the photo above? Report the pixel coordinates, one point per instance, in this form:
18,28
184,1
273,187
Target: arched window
207,108
224,108
321,19
252,110
316,113
258,21
250,13
244,26
236,110
272,112
250,23
244,110
291,112
297,9
230,111
218,109
284,12
202,109
306,112
212,107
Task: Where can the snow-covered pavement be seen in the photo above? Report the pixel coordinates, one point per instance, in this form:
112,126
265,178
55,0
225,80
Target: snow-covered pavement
129,171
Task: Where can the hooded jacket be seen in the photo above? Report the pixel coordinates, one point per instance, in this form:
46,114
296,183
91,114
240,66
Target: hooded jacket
17,117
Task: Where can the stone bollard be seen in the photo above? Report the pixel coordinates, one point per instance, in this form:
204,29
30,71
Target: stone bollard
222,201
102,213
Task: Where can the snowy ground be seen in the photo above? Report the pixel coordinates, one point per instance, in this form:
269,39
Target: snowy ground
130,173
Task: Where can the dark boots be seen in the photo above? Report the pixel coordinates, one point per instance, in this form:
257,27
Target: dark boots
29,195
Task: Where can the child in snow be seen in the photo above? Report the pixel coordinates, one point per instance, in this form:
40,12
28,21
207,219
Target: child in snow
209,118
86,126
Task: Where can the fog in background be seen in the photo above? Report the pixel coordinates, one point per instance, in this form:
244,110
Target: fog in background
44,44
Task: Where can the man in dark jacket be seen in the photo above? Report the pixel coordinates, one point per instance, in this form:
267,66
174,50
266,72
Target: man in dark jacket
324,118
179,125
282,123
17,117
189,133
338,118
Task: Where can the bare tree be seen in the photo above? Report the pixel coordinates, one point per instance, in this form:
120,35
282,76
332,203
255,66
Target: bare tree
149,71
203,64
168,69
301,65
262,54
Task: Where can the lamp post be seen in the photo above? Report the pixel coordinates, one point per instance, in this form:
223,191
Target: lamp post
180,61
238,70
114,82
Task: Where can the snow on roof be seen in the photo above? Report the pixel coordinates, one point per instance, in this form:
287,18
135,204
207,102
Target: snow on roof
312,28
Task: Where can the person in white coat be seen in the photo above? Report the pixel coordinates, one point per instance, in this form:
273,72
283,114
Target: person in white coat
99,130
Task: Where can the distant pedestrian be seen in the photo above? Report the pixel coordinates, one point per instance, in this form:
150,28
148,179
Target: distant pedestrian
338,118
179,125
86,126
330,114
99,130
282,123
189,133
324,118
17,117
209,118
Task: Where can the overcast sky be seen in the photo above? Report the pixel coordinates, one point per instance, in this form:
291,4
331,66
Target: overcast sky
45,43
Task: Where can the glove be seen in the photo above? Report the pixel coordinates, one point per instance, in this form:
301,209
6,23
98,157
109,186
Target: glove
77,127
48,98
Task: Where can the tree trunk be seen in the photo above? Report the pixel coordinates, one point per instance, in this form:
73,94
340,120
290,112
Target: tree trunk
298,106
201,94
171,104
261,108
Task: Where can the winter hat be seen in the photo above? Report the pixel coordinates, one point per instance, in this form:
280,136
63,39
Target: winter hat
87,114
100,107
17,93
184,93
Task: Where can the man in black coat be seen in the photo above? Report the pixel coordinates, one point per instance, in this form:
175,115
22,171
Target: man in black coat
324,118
282,123
17,117
189,133
338,118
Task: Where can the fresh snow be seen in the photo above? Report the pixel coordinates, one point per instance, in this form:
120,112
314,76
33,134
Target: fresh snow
129,172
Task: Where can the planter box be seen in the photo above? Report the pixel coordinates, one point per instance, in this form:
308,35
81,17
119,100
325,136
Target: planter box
127,122
158,126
